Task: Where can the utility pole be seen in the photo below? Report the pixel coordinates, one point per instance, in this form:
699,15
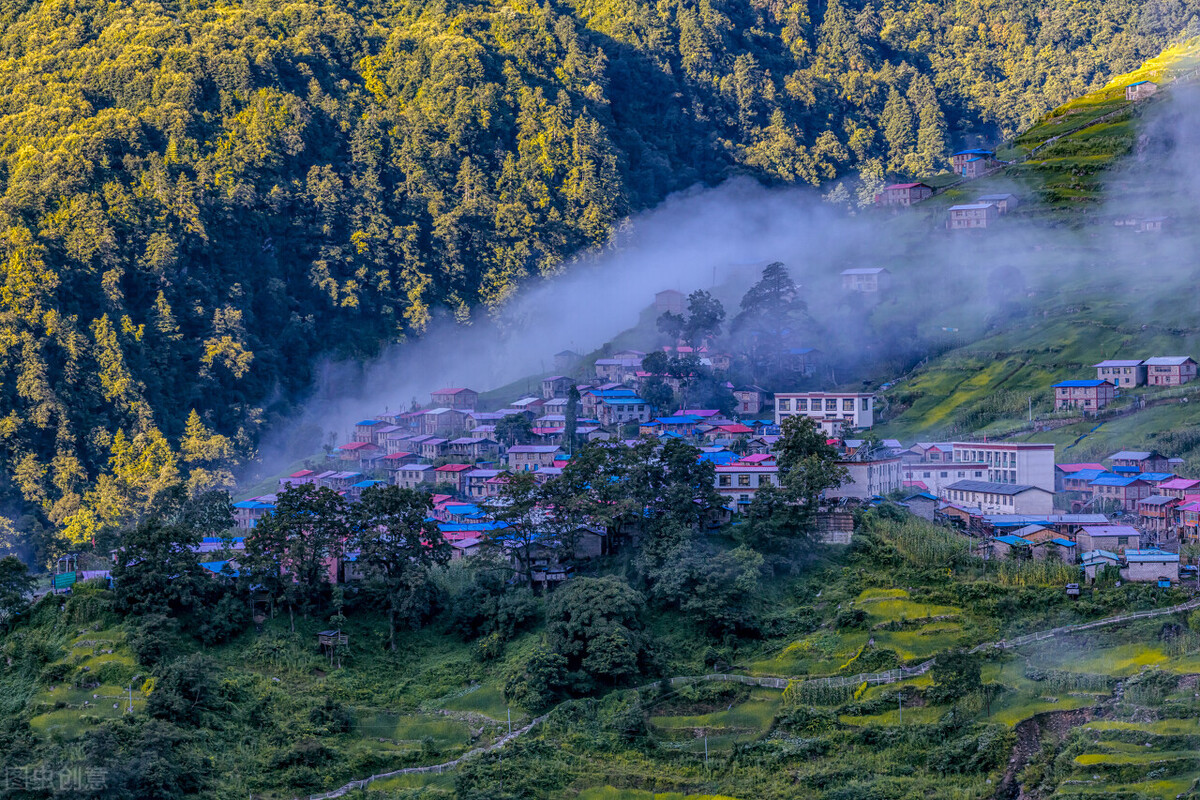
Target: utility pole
706,749
510,721
900,700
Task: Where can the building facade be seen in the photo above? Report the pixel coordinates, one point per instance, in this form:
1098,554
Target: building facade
1011,462
846,409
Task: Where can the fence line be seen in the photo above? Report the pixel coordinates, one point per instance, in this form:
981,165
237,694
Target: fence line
775,682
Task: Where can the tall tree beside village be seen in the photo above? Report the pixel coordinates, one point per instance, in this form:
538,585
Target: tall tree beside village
397,545
771,318
518,510
288,549
571,421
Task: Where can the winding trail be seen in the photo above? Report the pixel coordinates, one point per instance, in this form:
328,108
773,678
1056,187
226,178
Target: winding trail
773,682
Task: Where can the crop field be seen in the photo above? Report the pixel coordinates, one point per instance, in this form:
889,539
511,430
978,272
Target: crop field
740,722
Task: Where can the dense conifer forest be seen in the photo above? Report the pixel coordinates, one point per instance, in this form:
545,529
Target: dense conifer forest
199,200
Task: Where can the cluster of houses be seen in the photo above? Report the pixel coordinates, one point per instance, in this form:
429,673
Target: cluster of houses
1091,395
1131,513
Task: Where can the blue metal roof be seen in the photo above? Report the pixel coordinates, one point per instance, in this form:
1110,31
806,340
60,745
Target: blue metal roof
974,151
1156,476
364,422
1114,480
1087,384
1063,542
216,567
1086,475
676,420
1015,541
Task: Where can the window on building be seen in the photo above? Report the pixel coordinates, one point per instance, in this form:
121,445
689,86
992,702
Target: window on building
943,474
830,405
848,405
801,404
723,480
743,480
864,403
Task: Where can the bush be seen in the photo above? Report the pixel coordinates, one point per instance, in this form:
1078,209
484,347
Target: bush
155,638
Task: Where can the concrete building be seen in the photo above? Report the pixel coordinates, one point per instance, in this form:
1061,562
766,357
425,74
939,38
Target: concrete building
973,162
738,483
1000,498
669,300
1113,538
837,409
1004,203
869,478
1011,462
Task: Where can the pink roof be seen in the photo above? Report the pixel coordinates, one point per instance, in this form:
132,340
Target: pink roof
453,468
438,499
916,485
756,458
1179,483
397,456
302,473
904,186
357,446
1072,468
699,412
736,427
451,390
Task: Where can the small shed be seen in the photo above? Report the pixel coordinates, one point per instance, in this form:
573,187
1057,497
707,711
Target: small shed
1140,90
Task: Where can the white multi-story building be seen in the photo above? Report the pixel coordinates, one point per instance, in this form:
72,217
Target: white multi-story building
999,498
869,478
738,483
1011,462
833,411
936,476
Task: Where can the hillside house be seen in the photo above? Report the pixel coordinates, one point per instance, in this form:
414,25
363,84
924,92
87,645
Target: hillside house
1170,370
1187,519
620,410
532,456
846,409
477,419
1122,373
364,430
1010,546
248,513
1094,562
866,280
297,479
556,386
1011,462
933,452
529,406
1152,224
669,300
412,476
750,399
738,483
482,483
1140,90
802,360
922,504
1151,566
868,478
1157,512
903,194
452,475
1078,485
1114,538
1000,498
434,447
1179,488
1064,472
972,216
443,422
1088,396
618,370
566,360
456,398
1003,202
1140,461
1119,491
973,162
475,448
358,451
590,399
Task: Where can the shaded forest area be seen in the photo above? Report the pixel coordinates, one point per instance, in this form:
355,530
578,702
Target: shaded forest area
200,200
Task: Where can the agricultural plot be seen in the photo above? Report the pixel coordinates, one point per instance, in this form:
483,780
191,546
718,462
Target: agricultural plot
740,722
1135,759
610,793
413,731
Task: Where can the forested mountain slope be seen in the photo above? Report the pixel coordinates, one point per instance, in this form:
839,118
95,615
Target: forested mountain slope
200,199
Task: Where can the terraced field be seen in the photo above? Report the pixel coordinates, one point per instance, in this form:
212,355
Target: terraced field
741,722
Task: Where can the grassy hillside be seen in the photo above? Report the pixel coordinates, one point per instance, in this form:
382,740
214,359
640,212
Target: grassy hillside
274,717
1095,291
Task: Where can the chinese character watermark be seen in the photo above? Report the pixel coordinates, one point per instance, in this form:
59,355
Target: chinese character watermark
65,779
